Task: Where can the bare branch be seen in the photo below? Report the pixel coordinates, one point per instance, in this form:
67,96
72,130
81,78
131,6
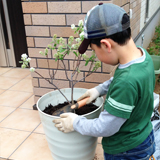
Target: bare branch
84,77
54,86
90,66
49,69
74,63
72,86
56,68
76,76
77,65
65,70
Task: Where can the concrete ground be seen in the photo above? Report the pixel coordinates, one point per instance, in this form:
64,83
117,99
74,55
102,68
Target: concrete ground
21,133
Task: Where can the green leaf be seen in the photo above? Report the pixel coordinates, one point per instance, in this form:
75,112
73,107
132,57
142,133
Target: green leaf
57,41
69,46
93,69
67,52
92,58
86,63
75,53
62,50
46,51
78,70
26,63
78,29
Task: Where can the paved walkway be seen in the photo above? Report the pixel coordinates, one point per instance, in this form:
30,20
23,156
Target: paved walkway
21,133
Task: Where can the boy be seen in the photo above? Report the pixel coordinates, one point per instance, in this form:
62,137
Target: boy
125,122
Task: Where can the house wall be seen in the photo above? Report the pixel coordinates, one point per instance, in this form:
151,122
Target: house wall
148,31
153,6
45,18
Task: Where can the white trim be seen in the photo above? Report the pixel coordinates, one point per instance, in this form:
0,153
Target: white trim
137,60
120,106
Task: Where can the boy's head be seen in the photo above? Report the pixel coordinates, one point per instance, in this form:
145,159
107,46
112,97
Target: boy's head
105,21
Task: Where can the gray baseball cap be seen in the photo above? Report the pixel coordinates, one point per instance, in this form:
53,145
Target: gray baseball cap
101,21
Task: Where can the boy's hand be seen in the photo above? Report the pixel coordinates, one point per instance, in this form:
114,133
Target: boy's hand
92,93
65,123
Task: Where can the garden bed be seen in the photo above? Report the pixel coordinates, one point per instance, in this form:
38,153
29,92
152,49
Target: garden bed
154,49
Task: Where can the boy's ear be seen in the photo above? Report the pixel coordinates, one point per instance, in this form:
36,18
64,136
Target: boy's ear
107,44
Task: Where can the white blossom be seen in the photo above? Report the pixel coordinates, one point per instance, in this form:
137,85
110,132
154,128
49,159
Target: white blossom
98,64
85,56
49,46
82,34
78,39
73,46
80,23
32,69
24,55
28,59
23,66
56,55
72,26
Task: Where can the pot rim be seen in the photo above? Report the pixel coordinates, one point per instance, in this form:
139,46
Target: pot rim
58,116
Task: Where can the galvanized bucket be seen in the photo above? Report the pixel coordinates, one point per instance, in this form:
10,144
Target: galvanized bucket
67,146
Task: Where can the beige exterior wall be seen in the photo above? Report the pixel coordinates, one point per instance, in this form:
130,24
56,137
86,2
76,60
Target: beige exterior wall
135,5
43,19
153,6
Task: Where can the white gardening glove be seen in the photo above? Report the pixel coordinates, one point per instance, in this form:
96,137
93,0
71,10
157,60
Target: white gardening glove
92,93
65,123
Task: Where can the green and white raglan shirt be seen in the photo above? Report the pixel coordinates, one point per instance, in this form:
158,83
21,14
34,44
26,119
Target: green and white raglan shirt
130,96
125,121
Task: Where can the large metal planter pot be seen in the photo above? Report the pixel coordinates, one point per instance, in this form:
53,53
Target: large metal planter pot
67,146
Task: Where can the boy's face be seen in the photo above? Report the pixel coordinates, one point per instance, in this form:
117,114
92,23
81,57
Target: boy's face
108,57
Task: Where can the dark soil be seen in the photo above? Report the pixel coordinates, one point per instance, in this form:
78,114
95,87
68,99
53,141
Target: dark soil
83,110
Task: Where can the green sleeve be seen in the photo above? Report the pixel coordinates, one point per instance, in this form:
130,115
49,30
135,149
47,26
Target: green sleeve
121,100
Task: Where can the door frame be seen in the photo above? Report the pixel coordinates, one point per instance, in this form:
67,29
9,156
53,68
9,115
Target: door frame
17,28
16,43
3,51
9,52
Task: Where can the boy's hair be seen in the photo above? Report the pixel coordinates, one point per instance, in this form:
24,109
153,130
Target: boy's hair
121,37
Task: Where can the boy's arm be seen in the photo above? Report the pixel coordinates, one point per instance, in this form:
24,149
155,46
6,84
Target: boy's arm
104,126
117,110
103,87
97,91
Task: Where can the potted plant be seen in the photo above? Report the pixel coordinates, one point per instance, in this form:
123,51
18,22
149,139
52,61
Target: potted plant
70,146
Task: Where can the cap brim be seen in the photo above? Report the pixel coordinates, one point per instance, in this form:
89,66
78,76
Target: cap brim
84,45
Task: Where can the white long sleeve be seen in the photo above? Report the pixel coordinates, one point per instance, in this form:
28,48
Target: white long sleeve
103,87
104,126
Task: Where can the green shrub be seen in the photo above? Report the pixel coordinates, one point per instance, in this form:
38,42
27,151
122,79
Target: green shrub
154,46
